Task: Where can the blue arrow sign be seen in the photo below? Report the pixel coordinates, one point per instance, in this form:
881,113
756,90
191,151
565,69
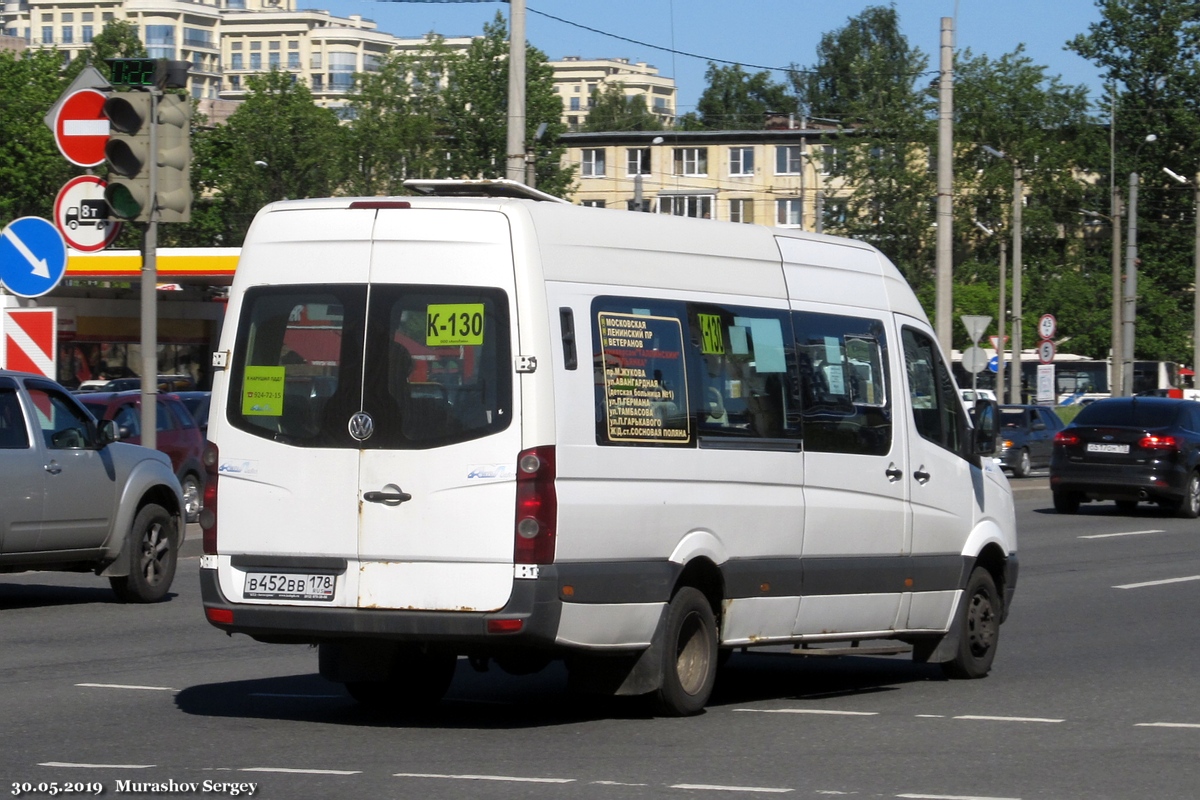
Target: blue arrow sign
33,256
994,364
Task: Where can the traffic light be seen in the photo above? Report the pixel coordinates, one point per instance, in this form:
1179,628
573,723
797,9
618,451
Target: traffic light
128,153
174,153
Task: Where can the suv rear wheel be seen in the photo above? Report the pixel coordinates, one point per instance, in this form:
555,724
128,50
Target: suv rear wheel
151,549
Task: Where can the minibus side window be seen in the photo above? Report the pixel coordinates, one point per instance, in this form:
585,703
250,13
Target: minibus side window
641,378
296,346
843,374
746,385
937,410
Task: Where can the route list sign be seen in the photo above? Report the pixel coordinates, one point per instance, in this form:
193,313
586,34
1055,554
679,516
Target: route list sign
645,383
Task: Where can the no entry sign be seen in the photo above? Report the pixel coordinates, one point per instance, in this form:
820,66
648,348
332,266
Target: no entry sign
81,129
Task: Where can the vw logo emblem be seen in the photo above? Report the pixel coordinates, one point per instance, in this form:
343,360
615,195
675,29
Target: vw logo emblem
361,426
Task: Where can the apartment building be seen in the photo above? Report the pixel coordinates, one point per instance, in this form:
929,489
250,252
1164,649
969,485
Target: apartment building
784,177
576,79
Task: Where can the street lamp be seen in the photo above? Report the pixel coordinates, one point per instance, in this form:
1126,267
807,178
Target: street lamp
1130,297
1014,394
1115,379
1000,346
1195,184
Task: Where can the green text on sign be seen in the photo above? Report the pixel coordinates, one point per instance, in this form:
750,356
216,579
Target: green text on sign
713,342
262,391
454,324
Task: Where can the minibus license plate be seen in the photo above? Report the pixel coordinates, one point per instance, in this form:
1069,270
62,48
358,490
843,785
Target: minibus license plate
289,586
1096,447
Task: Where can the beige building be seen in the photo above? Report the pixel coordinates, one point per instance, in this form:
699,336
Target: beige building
576,79
777,177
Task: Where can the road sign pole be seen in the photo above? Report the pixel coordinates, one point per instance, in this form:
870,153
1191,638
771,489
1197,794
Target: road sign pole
149,294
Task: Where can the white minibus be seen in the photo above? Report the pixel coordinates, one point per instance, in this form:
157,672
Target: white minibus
486,425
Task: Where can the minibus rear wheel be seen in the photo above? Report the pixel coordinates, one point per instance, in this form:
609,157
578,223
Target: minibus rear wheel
689,665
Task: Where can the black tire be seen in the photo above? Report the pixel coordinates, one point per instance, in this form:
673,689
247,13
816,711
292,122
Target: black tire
193,498
1189,504
1127,506
1023,466
979,628
152,552
689,657
1066,502
418,681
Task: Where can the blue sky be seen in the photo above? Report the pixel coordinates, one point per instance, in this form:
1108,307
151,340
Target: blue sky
766,33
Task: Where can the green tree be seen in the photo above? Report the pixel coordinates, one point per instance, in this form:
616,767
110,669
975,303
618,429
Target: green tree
737,100
613,110
476,112
1011,105
395,122
278,144
118,39
1147,51
31,168
866,76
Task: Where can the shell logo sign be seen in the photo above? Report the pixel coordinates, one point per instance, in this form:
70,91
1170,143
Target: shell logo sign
174,264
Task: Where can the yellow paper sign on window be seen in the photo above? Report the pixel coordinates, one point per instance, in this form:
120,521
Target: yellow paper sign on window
454,324
713,343
262,391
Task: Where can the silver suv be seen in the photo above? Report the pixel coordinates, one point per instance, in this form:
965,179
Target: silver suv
73,499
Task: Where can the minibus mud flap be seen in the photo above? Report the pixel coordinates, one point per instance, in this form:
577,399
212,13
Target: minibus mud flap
623,674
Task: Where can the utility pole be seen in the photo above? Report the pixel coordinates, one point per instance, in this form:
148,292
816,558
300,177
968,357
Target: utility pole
1130,297
1118,365
515,149
945,187
1000,323
1014,395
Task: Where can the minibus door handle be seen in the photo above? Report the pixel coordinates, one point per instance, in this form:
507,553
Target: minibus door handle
893,473
392,497
921,475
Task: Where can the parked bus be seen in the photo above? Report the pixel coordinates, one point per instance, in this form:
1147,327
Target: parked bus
1076,378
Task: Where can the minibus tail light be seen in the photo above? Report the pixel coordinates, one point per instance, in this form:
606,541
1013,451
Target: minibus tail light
208,514
537,507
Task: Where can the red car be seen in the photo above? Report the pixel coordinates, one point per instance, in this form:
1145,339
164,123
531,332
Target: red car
178,436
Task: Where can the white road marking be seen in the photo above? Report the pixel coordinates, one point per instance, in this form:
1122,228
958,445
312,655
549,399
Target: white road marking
930,716
704,787
96,766
1125,533
617,783
810,711
302,771
1007,719
126,686
510,778
1167,725
953,797
1158,583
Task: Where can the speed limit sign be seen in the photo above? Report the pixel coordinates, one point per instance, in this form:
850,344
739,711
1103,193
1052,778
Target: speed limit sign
1047,326
1046,352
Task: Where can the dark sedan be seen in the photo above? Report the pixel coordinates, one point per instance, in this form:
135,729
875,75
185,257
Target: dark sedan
1026,438
1130,449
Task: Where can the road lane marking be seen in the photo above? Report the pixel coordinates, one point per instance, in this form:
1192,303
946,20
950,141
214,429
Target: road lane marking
707,787
509,778
1167,725
1158,583
302,771
1124,533
95,766
1006,719
127,686
617,783
810,711
953,797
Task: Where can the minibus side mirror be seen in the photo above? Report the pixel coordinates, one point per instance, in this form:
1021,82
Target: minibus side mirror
985,416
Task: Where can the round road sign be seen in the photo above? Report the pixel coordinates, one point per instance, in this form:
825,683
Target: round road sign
81,129
1046,352
1047,326
33,256
974,359
81,214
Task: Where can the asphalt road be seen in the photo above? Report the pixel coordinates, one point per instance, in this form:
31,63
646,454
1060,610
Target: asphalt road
1092,696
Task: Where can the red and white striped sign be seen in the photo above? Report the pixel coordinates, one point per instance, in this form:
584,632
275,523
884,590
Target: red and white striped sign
30,340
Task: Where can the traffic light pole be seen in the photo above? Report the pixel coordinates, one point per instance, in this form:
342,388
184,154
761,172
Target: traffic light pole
149,294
